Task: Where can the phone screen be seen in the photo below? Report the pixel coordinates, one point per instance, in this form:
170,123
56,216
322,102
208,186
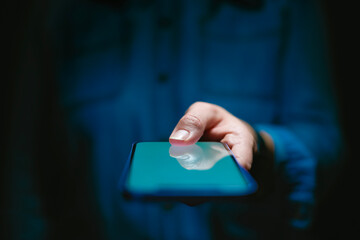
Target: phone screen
202,169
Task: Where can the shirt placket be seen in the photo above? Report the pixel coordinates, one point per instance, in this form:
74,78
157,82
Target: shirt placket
165,64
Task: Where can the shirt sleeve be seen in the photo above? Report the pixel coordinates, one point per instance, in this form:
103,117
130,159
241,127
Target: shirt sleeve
307,136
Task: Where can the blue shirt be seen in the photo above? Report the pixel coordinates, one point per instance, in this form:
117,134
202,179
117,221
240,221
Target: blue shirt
128,74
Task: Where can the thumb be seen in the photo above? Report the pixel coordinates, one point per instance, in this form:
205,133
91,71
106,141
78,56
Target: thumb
192,125
188,130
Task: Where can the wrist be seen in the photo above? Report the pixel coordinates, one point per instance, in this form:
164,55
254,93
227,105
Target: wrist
260,144
264,144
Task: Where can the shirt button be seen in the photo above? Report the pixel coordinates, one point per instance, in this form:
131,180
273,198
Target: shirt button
163,78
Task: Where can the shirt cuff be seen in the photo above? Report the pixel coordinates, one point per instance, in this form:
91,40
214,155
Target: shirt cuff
296,166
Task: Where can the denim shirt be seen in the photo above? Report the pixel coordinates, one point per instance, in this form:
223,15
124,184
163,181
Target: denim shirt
128,74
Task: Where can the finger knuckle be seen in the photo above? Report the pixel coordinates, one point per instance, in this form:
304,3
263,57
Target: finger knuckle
231,139
192,120
202,105
198,103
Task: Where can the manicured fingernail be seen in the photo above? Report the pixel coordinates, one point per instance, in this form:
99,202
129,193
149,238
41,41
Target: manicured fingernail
180,135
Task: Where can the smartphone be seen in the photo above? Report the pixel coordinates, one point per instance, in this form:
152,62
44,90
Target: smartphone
158,170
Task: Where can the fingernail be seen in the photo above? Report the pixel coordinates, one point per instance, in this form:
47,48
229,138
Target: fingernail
180,135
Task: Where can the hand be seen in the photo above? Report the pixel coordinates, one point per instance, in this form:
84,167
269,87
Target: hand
213,123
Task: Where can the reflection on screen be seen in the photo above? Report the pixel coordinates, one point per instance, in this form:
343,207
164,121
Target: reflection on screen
193,157
158,166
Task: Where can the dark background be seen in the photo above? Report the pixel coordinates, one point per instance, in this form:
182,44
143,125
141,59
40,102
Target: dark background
24,80
338,214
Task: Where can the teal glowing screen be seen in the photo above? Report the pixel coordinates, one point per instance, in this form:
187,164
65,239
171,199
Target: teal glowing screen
202,168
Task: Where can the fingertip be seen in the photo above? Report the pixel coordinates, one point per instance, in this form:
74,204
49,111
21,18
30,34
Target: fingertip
244,164
177,142
180,135
247,166
188,131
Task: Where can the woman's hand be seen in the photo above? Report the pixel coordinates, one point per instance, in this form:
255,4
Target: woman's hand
210,122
